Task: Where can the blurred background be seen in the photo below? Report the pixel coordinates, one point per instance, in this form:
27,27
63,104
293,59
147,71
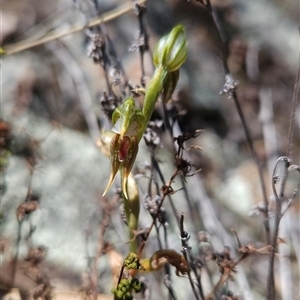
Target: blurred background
54,103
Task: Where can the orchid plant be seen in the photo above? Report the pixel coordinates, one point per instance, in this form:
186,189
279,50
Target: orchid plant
129,124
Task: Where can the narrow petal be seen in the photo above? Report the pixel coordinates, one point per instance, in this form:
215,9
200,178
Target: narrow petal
127,164
111,180
114,161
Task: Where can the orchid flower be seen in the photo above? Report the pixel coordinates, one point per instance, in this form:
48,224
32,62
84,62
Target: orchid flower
130,122
127,120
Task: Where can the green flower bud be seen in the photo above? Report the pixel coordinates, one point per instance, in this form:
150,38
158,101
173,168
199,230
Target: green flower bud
134,281
119,295
136,285
171,50
132,261
128,296
123,282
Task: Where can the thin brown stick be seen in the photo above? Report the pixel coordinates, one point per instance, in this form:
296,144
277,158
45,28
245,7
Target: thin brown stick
29,43
184,239
271,292
225,276
295,103
233,95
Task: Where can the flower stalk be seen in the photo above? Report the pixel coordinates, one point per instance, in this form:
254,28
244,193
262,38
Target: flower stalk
132,210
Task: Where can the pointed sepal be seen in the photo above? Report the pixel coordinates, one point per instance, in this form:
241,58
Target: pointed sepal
114,161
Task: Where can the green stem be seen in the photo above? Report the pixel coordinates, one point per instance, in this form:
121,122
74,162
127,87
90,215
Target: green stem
153,91
132,210
132,204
